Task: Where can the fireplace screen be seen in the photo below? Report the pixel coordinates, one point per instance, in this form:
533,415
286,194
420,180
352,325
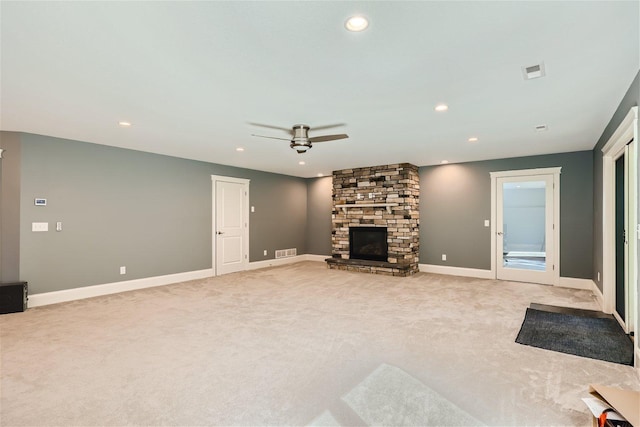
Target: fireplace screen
368,243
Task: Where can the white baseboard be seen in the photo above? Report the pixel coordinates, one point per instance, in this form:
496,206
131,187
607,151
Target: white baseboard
598,294
46,298
573,283
565,282
456,271
55,297
288,260
312,257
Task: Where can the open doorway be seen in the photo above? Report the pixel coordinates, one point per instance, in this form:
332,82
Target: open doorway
620,198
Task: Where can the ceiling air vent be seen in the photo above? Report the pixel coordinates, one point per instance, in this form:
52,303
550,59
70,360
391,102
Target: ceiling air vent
541,128
533,71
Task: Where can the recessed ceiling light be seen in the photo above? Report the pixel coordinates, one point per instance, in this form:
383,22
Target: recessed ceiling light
444,162
356,23
473,139
320,174
442,107
302,162
239,149
124,124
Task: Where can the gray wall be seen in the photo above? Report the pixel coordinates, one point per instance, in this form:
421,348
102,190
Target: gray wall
630,99
10,207
456,199
148,212
319,211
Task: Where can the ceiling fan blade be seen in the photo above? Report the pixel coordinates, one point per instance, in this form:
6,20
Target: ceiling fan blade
271,137
288,130
328,137
336,125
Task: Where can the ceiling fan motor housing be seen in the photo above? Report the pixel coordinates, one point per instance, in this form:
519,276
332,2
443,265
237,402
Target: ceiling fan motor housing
300,132
300,141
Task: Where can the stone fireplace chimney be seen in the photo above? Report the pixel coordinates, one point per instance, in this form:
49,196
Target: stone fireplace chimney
378,196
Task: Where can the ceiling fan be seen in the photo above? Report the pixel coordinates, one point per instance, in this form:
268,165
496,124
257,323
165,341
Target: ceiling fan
300,140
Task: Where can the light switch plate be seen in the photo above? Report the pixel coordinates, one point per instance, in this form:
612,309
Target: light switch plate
486,222
39,226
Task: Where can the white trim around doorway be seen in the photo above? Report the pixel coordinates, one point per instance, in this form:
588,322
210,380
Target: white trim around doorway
555,171
626,132
245,217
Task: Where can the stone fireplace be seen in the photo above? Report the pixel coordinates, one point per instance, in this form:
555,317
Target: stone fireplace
371,205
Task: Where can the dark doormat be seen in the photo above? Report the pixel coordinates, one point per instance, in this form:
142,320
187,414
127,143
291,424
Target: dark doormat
599,338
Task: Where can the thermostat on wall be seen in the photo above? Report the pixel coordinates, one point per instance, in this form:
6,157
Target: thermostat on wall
40,202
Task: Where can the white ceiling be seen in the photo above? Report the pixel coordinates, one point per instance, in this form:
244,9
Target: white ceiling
192,76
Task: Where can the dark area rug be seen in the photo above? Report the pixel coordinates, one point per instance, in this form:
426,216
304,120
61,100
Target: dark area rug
599,337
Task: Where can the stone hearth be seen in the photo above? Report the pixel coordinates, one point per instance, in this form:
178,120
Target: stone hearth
377,196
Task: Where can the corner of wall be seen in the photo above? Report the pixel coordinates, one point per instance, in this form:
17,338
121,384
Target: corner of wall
10,181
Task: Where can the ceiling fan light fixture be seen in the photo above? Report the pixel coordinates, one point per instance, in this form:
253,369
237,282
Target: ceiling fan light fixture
356,23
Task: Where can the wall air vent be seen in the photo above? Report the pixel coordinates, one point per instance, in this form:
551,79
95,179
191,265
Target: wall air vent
284,253
533,71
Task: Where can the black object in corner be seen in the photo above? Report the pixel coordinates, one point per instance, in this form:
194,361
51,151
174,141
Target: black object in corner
13,297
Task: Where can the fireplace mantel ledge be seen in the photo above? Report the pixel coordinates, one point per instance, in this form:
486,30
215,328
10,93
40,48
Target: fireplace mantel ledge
367,205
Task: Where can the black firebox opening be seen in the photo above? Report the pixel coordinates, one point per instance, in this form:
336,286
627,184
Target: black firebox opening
368,243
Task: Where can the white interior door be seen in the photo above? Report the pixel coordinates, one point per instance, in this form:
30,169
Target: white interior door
230,225
525,242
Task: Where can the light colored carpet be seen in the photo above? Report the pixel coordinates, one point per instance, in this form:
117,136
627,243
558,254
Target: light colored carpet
391,397
292,345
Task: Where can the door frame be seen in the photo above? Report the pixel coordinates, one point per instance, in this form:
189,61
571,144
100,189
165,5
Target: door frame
627,131
555,172
245,218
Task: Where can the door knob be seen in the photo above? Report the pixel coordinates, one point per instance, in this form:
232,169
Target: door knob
220,232
499,233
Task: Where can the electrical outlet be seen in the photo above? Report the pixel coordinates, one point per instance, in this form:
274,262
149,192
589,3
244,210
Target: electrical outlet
444,257
598,276
123,270
265,252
